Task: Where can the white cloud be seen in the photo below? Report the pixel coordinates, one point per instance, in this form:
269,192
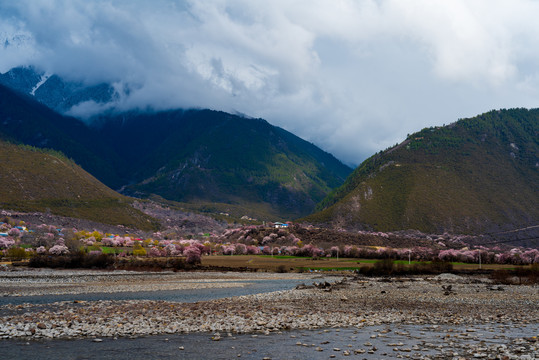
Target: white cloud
351,76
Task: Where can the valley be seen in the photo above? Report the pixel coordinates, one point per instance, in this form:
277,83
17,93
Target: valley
221,223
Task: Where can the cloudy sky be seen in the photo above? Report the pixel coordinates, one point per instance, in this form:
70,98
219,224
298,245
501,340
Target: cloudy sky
352,76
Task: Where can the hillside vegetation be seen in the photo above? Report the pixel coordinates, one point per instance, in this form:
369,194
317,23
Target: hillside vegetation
191,156
40,180
196,157
23,120
203,156
474,176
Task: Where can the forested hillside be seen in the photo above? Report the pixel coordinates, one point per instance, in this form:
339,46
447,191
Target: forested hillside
476,175
201,156
198,157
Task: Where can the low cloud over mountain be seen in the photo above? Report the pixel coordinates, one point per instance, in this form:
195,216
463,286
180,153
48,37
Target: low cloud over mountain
354,77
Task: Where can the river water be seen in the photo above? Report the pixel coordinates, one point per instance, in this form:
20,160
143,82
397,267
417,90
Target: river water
413,341
248,287
375,342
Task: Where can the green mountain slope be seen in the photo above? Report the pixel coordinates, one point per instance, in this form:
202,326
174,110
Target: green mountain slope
474,176
204,156
38,180
197,156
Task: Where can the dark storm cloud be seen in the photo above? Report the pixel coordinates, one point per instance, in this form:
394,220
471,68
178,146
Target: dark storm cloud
354,77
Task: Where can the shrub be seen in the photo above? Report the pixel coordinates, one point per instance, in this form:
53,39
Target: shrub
73,261
107,241
6,242
383,267
172,250
155,252
192,254
58,250
437,267
14,232
335,251
351,251
97,261
73,244
525,275
17,253
501,277
138,250
529,275
253,250
533,276
241,249
152,264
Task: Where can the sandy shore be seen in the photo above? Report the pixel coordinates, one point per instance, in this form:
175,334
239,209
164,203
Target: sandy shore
441,300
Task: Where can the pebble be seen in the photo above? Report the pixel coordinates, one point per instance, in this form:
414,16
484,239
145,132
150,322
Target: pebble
418,303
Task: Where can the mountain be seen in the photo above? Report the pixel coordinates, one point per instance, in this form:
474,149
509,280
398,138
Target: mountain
22,79
33,179
477,175
23,120
55,92
204,156
219,162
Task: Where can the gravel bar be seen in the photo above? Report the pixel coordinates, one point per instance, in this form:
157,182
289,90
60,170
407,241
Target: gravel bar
444,300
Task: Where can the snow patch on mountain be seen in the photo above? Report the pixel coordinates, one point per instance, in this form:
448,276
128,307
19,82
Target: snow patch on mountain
44,78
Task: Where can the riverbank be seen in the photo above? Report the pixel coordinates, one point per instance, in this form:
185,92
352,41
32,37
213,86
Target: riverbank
444,299
42,282
45,286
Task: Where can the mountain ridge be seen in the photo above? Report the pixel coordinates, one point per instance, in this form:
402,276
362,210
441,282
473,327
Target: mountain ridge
476,175
54,92
26,121
220,157
233,160
42,180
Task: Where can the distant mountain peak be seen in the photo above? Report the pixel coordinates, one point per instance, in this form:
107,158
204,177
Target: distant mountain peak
23,79
65,97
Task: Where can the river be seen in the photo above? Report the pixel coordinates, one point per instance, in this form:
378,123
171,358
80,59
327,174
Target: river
383,342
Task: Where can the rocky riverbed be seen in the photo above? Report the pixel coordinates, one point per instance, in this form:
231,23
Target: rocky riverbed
53,282
444,300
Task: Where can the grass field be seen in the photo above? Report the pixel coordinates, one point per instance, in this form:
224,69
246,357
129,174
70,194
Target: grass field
291,263
307,264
